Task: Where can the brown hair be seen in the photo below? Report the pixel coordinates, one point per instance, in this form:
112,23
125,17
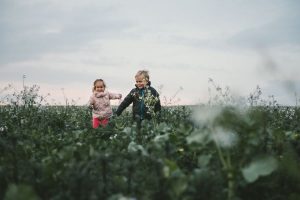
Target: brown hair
145,73
98,80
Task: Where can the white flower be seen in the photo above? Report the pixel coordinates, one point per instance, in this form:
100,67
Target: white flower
150,102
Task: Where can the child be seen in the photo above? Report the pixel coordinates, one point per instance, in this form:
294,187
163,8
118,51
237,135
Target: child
100,103
144,98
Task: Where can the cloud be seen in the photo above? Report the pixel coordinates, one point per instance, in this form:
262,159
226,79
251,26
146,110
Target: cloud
283,31
284,91
182,43
29,30
48,76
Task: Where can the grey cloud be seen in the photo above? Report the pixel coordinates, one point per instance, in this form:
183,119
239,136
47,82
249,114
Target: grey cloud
282,31
189,41
284,91
48,76
27,31
61,77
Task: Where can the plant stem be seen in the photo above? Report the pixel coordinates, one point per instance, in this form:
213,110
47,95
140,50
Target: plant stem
228,168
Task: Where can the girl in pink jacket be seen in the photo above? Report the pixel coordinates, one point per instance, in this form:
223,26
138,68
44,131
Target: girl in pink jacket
100,103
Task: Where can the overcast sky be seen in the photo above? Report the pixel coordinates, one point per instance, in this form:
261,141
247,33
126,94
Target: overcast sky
63,46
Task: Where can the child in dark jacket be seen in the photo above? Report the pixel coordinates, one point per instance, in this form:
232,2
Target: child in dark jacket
144,98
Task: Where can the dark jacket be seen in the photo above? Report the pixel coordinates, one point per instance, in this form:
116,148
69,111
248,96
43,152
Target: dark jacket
145,103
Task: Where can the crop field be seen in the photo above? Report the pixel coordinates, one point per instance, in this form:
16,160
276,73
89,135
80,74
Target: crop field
214,151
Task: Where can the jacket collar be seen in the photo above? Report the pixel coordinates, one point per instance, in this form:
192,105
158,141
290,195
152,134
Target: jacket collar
100,94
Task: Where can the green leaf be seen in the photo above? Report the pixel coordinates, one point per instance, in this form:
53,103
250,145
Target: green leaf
19,192
91,151
199,137
133,147
204,160
161,138
259,167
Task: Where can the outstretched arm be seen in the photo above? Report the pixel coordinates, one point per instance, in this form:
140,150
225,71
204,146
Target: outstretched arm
125,103
91,102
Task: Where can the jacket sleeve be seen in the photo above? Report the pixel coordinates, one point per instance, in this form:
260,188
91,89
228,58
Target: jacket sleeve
125,103
91,101
157,107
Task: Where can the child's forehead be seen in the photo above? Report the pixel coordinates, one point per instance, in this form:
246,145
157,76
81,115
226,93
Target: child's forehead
99,83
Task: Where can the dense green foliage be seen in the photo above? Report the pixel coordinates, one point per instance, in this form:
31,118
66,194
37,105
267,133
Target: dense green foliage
202,152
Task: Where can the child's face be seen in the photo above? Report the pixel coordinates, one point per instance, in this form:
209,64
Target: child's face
140,81
99,86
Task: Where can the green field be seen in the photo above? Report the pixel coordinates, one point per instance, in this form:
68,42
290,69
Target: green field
213,151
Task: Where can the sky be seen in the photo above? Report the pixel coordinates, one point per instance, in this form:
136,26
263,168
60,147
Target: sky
63,46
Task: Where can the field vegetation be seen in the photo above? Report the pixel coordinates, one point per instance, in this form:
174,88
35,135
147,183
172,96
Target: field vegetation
226,149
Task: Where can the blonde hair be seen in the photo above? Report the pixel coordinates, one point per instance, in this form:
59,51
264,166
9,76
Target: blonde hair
144,73
98,80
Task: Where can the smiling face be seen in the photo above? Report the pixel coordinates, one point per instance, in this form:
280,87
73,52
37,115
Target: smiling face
140,81
99,86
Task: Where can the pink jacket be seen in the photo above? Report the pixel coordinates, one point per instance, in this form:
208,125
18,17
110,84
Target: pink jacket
100,101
